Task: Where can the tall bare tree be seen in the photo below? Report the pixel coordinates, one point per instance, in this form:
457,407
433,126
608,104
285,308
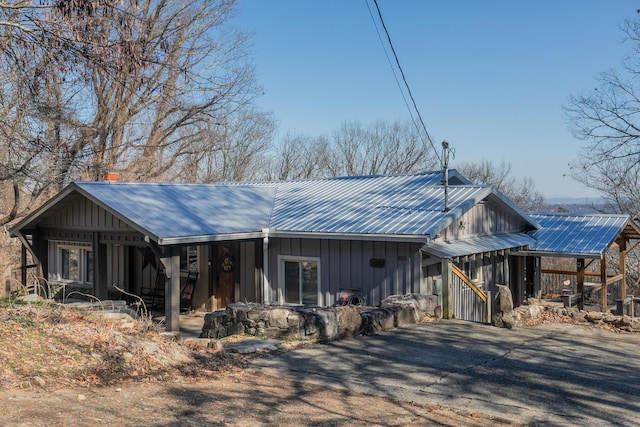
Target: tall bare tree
132,86
607,119
354,149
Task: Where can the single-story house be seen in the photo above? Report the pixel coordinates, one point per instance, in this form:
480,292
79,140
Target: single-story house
290,242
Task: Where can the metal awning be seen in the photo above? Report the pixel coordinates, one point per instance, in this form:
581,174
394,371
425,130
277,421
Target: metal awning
478,245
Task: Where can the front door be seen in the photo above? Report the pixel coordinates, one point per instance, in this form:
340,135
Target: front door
224,286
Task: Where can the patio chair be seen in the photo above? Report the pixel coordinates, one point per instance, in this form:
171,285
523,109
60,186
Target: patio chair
187,289
154,296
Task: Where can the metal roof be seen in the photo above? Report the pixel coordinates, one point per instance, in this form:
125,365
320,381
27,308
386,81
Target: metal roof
378,206
476,245
395,205
184,212
586,236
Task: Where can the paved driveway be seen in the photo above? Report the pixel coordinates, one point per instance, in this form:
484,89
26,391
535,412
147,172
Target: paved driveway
556,374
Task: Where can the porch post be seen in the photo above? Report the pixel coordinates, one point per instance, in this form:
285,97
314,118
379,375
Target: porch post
172,290
622,245
99,266
603,279
23,266
265,268
580,282
447,307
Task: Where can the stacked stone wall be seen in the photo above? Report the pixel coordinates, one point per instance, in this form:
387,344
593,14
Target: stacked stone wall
321,324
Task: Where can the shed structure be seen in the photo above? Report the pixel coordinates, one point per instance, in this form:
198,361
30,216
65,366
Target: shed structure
586,238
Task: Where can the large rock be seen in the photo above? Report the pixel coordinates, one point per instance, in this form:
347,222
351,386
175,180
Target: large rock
503,317
349,321
378,320
279,317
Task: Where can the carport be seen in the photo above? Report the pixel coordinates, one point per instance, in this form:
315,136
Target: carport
590,240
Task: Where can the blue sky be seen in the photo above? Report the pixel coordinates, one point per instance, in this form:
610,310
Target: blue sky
489,76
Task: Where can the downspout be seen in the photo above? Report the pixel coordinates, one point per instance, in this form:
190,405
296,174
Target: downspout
265,267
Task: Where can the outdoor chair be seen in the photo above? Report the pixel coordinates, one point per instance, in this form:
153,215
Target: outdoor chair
187,289
154,297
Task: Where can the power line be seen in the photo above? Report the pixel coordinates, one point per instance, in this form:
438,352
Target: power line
404,79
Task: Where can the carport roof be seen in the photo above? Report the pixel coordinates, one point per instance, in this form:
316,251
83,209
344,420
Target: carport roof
580,236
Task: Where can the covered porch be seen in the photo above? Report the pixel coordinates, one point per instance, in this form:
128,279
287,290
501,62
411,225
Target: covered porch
587,254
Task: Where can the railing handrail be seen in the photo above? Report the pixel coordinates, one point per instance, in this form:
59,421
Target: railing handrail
479,292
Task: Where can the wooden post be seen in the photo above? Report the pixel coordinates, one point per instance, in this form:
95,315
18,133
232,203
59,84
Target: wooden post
603,279
23,266
172,290
622,245
486,309
580,282
99,266
447,298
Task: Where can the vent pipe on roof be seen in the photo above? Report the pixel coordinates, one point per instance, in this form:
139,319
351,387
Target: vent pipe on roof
445,174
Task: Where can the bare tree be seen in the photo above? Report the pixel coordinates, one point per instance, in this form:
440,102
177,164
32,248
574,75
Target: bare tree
138,85
353,149
608,120
522,192
297,157
231,151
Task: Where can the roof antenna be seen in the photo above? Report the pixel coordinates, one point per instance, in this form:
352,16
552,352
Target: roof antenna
445,174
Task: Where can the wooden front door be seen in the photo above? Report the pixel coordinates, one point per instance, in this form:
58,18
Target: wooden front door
225,271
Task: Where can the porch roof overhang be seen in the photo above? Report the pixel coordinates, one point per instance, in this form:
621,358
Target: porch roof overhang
476,245
580,236
348,236
172,214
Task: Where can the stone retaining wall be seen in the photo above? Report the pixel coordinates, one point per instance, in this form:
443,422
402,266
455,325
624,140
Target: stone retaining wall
535,308
322,324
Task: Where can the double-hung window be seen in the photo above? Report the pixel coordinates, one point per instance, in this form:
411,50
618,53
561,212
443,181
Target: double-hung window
299,280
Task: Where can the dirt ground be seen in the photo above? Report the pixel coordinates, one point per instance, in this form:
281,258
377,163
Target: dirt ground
244,398
61,368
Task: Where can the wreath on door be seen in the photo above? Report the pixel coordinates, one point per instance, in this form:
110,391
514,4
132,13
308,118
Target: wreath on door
227,263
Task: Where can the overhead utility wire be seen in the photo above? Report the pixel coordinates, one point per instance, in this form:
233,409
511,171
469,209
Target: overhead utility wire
393,70
404,79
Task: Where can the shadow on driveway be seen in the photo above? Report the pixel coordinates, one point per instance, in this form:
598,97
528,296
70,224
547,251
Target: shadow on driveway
557,374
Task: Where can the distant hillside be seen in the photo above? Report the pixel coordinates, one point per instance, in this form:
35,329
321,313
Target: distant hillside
576,205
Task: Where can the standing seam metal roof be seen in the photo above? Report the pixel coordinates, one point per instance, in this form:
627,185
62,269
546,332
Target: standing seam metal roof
589,235
389,205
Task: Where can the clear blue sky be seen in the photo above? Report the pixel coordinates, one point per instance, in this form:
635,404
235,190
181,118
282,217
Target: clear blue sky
489,76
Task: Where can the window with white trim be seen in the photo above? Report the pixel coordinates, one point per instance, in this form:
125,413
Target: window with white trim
299,280
75,263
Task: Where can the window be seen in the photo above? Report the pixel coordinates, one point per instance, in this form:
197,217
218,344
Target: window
189,258
70,264
75,263
299,280
473,271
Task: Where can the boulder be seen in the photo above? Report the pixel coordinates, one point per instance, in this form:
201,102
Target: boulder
349,321
278,317
503,317
377,320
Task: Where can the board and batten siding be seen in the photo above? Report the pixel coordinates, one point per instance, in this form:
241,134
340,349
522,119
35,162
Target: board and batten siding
346,265
485,218
81,213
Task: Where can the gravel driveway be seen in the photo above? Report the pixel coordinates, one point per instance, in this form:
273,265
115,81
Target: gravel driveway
558,374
